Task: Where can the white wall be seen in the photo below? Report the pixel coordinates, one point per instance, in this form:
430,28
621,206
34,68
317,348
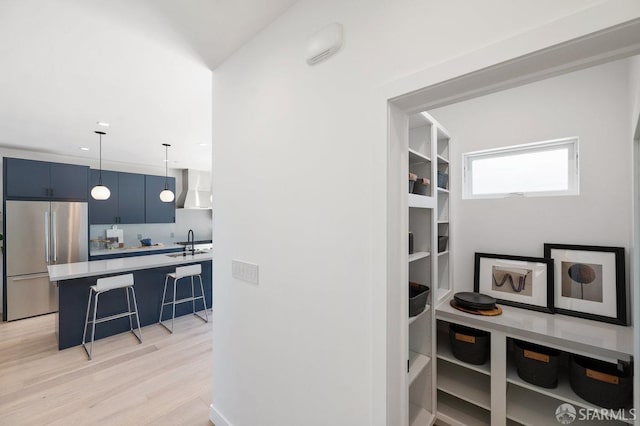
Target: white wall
634,89
591,104
70,63
293,165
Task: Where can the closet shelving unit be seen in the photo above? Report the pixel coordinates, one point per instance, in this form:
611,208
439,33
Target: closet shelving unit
493,393
438,386
428,217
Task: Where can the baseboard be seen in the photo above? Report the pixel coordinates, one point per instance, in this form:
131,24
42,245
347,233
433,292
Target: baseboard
216,418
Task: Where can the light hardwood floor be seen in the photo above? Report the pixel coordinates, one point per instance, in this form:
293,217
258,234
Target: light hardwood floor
166,380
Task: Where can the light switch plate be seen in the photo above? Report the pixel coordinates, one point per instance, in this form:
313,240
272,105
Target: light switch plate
244,271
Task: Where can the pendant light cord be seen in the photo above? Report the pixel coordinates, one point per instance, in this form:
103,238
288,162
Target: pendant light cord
100,133
166,166
100,178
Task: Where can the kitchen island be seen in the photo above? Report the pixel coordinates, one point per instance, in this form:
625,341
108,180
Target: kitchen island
74,279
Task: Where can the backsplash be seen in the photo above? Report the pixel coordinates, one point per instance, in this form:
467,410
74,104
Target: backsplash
198,220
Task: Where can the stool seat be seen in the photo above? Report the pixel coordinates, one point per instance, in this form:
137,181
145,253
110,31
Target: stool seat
189,271
104,285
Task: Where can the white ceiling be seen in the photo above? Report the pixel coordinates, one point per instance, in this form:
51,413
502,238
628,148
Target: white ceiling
144,66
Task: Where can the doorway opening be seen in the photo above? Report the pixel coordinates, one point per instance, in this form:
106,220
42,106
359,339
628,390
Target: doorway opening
598,49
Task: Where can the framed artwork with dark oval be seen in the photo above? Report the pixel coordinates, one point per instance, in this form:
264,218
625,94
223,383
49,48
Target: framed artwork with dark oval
589,282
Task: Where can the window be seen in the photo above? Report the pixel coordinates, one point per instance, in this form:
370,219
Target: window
535,169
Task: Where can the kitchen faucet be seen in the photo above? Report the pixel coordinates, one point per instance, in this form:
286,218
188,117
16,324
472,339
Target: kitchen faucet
190,239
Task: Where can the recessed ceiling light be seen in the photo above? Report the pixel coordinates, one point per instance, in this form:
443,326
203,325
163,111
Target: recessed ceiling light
102,123
84,148
203,144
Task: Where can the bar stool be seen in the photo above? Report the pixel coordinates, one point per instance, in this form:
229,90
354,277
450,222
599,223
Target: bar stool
104,285
190,271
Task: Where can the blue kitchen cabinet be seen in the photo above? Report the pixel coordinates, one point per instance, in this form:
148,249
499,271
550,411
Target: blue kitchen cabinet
42,180
104,211
126,203
130,198
69,182
157,211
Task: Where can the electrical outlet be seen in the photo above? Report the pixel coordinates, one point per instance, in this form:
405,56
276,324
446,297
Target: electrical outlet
139,236
244,271
172,235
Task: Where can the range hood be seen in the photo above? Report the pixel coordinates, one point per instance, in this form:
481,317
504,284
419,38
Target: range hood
196,190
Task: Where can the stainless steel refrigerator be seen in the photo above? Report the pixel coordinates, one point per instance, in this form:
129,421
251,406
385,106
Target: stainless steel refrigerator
40,233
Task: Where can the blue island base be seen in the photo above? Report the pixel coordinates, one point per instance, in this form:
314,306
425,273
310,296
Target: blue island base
149,283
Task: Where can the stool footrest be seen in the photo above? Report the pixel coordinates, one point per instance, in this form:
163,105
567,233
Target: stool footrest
186,299
112,317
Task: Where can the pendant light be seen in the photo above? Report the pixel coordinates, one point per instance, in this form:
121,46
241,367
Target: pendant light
166,196
100,192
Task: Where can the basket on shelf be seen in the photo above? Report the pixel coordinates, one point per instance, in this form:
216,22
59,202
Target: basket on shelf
418,296
443,179
537,364
468,344
421,186
412,181
442,243
600,382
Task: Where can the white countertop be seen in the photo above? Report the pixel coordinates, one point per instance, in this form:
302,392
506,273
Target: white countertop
593,337
137,249
123,264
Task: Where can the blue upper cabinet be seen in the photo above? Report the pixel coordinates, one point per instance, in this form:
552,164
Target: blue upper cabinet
69,182
126,203
104,211
41,180
131,198
157,211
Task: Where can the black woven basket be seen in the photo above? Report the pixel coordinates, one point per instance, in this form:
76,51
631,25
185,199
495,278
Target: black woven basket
421,186
418,296
412,181
537,364
443,179
442,243
468,344
600,382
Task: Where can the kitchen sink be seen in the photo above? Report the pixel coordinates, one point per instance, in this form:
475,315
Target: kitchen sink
188,253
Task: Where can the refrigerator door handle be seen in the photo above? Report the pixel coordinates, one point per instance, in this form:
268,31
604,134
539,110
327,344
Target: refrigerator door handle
30,277
46,237
54,226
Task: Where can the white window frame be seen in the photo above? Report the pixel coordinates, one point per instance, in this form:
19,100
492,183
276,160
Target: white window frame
573,170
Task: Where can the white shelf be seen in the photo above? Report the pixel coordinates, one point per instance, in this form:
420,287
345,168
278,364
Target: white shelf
442,160
418,416
444,353
456,412
443,221
577,335
420,315
531,408
417,363
465,384
415,157
562,392
421,201
418,255
444,191
443,253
